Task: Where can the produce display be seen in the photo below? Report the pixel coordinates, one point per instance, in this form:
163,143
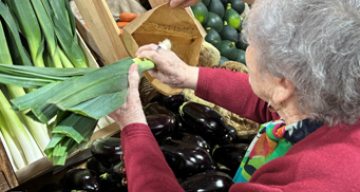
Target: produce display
200,158
222,20
52,101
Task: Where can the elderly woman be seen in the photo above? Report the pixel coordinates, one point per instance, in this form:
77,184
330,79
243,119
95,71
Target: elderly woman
303,86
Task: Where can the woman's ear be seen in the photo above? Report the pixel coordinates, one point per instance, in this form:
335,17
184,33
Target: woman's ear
283,90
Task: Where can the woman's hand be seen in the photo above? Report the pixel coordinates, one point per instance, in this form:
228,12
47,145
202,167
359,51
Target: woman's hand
182,3
170,69
131,111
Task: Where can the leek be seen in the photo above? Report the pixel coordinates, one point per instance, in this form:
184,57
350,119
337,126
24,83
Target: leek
37,130
48,30
30,27
87,97
65,32
13,152
19,53
18,132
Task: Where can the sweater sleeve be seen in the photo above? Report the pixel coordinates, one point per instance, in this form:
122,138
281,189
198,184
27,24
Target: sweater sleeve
232,91
145,164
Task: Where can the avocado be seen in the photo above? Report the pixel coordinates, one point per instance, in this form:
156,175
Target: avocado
214,21
229,33
217,7
200,12
226,48
224,2
237,5
206,2
212,37
223,60
232,17
238,55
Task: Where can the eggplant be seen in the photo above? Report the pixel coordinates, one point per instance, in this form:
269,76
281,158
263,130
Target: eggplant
161,125
107,150
113,180
186,161
155,108
208,182
80,179
96,166
204,121
172,103
230,136
230,155
190,140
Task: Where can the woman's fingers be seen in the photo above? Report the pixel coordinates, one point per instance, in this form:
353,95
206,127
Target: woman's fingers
148,47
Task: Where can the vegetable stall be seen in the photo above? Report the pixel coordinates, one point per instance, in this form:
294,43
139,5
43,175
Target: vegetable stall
63,69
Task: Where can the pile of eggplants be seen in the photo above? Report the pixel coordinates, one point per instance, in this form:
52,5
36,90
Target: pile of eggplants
202,151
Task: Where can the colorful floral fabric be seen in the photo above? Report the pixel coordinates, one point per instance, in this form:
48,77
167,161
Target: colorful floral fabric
274,139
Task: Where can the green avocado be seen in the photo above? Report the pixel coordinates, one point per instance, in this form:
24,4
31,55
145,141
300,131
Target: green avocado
213,37
200,12
206,2
214,22
237,5
226,48
229,33
238,55
232,17
217,7
241,44
223,60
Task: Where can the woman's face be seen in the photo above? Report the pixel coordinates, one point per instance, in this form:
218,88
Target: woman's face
260,81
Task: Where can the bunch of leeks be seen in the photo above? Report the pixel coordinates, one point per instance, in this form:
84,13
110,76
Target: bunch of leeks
71,105
34,33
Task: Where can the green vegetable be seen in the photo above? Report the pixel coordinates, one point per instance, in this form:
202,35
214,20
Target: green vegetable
217,7
206,2
64,22
30,27
48,30
214,22
229,33
223,60
19,53
238,55
90,96
232,17
200,12
212,37
237,5
226,49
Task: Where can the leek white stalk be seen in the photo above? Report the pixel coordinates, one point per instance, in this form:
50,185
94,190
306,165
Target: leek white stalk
18,132
14,154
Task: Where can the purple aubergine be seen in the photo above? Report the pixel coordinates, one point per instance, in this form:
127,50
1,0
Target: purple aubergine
203,121
172,103
186,161
230,155
191,140
113,179
208,182
161,125
107,150
155,108
80,179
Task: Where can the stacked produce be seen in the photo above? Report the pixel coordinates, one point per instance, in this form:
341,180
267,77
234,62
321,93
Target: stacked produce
222,20
37,33
201,150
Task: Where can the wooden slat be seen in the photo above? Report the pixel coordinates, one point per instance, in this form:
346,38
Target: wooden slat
8,179
103,28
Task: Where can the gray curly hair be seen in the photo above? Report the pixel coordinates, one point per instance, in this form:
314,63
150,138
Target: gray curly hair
316,45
